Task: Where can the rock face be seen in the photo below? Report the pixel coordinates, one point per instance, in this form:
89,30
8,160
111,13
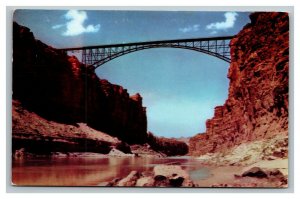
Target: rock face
257,104
59,88
33,134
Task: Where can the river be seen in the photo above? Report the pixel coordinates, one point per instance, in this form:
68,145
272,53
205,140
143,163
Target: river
90,171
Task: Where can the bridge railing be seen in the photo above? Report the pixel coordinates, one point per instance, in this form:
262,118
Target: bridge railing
99,55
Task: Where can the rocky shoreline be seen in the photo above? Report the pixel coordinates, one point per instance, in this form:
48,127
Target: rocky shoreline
160,176
176,176
259,166
262,163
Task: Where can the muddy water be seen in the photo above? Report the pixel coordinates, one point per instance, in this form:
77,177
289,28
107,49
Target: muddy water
90,171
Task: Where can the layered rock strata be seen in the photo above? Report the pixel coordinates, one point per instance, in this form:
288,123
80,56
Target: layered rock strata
59,88
257,104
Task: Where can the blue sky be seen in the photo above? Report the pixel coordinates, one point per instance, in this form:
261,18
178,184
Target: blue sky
180,88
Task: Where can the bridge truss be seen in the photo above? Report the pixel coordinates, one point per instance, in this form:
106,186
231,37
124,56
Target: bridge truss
99,55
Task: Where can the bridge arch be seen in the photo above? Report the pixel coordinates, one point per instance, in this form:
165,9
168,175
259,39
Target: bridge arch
98,55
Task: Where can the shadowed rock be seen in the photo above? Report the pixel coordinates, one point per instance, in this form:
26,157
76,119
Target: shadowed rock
59,88
255,172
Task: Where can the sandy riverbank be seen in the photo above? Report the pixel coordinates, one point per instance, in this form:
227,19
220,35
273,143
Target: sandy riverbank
230,176
269,156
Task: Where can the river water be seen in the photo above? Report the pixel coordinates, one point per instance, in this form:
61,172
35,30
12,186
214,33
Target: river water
90,171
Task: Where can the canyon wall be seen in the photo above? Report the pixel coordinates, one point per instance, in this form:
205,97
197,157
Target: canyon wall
257,104
59,88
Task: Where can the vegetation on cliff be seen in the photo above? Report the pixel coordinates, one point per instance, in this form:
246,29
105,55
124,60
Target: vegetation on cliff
168,146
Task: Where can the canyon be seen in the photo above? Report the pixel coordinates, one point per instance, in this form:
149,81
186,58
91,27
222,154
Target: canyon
61,108
55,96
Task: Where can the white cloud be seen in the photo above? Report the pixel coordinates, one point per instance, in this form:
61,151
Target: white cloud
192,28
230,18
57,26
75,24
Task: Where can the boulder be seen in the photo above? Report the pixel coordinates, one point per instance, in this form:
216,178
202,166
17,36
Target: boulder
170,171
20,154
255,172
118,153
130,180
169,175
145,182
160,176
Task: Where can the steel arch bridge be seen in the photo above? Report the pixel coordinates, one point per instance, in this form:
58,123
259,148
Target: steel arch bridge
98,55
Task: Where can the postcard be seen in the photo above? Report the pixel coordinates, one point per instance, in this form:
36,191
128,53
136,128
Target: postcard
141,98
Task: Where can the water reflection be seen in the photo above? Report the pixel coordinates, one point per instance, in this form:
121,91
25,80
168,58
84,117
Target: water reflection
88,171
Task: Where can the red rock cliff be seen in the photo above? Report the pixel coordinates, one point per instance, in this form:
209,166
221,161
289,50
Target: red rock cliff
257,104
59,88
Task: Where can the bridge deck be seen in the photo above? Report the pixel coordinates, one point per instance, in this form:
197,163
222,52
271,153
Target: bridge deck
100,54
148,42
